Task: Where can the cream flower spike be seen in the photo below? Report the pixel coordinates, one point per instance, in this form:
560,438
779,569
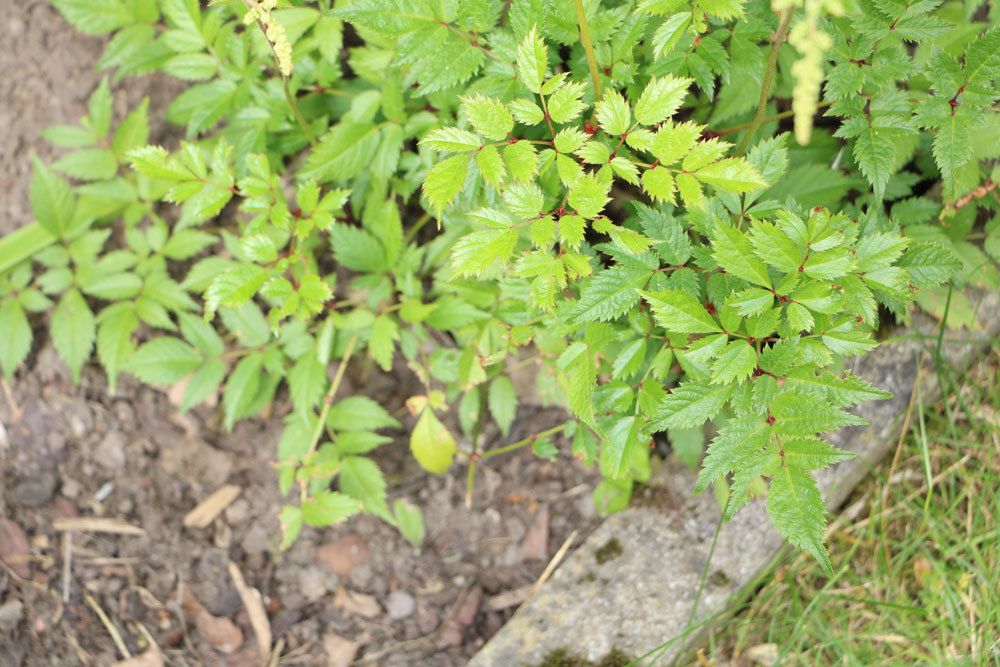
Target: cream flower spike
273,31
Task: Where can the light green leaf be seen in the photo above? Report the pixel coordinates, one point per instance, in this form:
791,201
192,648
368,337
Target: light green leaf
502,402
15,343
410,521
488,115
359,413
326,508
241,388
613,113
611,293
73,331
51,200
660,99
483,251
588,195
360,478
382,344
445,180
733,174
659,184
532,61
451,139
164,361
734,252
735,363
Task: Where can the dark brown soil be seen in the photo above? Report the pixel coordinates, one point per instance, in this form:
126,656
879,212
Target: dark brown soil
76,451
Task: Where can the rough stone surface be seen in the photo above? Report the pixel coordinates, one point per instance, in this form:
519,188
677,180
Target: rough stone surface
632,584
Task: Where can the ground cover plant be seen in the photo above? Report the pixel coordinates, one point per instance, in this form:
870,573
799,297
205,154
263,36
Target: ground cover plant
676,212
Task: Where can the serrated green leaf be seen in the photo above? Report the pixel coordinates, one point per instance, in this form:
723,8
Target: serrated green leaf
588,195
445,180
611,293
735,363
734,252
679,312
732,174
359,413
691,404
15,343
362,479
488,115
51,200
73,330
660,99
164,361
382,344
451,139
502,402
613,113
796,507
929,263
532,61
326,508
241,388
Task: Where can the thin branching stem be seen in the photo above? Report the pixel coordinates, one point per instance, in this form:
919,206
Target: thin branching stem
521,443
328,401
588,47
777,39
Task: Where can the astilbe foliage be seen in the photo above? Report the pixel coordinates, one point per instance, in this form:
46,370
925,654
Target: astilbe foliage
595,216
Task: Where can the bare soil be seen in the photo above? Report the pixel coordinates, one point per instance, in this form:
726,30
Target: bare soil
77,451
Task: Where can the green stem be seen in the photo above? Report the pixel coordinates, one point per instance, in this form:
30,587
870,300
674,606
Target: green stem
781,115
294,106
588,47
701,582
470,483
777,39
327,402
417,226
521,443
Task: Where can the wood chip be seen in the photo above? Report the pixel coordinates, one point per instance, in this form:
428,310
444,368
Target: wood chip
762,654
344,554
358,604
14,548
463,613
535,544
207,510
150,658
255,610
340,651
96,525
508,599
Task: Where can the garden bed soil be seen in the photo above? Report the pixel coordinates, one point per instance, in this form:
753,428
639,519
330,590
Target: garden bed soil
75,451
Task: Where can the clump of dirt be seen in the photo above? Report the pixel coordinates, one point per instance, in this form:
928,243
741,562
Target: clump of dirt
562,657
608,551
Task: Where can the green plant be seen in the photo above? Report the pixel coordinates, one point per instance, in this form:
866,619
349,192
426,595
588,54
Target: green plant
591,219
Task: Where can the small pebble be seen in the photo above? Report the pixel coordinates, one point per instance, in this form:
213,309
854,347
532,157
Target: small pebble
400,604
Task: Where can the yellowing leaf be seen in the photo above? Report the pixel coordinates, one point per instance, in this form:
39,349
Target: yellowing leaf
432,444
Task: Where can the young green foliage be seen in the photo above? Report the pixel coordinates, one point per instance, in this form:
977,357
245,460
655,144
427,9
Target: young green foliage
662,249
